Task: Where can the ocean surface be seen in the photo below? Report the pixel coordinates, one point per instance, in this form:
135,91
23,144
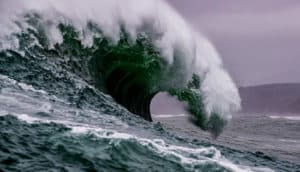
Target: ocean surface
275,137
42,131
76,84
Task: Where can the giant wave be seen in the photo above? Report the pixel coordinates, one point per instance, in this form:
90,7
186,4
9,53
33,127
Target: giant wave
129,50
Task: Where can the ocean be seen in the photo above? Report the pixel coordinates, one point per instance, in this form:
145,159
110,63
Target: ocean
42,132
76,84
275,137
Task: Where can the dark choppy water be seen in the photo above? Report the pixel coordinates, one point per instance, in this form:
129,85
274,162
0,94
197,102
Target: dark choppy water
52,129
275,137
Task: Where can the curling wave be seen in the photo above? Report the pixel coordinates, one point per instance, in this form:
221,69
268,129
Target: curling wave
131,51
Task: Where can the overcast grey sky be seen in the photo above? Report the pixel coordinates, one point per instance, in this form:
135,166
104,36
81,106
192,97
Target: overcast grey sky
259,40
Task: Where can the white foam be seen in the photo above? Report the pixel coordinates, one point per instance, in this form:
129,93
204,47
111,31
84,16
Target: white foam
29,119
293,118
6,79
30,88
291,141
25,117
168,115
23,86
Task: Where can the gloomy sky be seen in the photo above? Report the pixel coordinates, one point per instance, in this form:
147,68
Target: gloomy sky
259,40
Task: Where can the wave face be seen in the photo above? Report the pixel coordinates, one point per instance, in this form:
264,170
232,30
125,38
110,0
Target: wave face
129,50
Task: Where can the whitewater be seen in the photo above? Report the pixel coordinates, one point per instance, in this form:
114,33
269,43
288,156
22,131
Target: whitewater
77,79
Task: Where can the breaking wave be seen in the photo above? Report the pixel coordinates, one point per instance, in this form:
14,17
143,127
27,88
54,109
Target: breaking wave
129,50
